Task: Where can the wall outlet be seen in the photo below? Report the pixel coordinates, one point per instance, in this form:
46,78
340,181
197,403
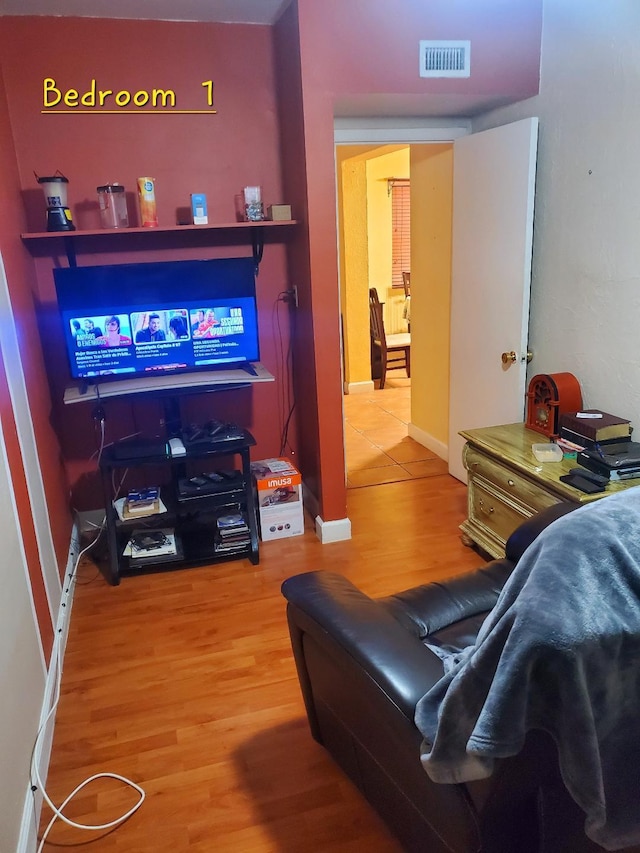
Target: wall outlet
290,296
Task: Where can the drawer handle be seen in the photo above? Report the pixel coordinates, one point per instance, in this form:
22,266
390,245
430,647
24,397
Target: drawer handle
510,482
481,505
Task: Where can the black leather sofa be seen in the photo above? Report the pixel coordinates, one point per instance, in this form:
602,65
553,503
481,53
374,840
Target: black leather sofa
362,668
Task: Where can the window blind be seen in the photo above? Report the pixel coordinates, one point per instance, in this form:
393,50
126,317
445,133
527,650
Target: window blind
401,230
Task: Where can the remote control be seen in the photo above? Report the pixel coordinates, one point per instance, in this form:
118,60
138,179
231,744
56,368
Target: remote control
213,428
193,432
581,483
199,481
598,479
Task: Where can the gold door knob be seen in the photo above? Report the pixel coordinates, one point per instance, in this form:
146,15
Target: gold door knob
509,357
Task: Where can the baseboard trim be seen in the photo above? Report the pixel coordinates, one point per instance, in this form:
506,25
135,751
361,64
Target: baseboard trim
428,441
28,840
333,531
359,387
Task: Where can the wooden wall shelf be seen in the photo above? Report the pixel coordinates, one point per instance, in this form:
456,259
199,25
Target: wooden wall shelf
256,231
123,232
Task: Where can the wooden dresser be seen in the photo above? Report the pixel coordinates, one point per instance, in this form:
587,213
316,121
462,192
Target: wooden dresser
507,484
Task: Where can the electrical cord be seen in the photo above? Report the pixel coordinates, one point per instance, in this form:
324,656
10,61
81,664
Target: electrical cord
36,780
286,370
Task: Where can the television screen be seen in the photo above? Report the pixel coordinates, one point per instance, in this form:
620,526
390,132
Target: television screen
127,320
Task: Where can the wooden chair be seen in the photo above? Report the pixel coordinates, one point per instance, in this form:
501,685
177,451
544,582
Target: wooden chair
406,283
394,351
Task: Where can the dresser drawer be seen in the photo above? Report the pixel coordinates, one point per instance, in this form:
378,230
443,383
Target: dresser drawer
514,485
489,510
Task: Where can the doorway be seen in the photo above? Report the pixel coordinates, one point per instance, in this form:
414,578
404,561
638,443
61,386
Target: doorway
378,445
508,150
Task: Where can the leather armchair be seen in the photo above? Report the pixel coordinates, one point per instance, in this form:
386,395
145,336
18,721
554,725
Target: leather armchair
363,666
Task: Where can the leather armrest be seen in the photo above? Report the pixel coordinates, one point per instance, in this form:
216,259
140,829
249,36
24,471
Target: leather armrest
346,621
426,609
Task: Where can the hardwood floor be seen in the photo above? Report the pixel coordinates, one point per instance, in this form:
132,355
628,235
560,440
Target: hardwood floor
185,683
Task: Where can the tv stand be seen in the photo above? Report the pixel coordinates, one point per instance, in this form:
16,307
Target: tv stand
250,369
192,515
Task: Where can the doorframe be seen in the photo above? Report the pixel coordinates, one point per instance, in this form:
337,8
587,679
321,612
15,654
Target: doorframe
393,131
397,131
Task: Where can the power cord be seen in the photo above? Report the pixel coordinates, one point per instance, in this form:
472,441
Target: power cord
289,297
36,780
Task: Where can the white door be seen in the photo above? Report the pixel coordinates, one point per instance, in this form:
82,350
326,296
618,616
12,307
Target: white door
493,192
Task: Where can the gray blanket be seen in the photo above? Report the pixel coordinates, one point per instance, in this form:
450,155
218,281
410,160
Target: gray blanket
559,652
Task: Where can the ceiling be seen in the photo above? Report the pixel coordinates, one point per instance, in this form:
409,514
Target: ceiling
222,11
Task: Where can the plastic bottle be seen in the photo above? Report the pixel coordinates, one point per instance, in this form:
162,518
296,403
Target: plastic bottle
147,202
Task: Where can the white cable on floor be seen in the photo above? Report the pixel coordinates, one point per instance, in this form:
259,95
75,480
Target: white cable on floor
35,773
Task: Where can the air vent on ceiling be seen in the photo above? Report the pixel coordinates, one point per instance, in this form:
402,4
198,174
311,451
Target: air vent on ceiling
445,58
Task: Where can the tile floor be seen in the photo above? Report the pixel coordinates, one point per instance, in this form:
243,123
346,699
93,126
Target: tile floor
378,447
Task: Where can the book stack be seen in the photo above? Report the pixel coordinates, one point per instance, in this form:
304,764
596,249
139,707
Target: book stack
141,502
232,533
149,545
591,428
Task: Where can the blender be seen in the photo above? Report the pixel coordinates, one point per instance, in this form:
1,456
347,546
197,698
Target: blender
55,193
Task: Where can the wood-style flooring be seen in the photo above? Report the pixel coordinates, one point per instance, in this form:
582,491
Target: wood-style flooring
184,681
377,443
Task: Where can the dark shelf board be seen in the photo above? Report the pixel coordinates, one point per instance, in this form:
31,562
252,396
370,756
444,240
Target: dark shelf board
173,229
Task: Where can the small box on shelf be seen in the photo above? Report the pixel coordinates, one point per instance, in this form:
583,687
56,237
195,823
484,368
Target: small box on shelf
139,504
279,212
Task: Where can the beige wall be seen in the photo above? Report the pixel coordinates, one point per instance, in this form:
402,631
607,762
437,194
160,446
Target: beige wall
365,245
354,266
585,310
431,212
395,164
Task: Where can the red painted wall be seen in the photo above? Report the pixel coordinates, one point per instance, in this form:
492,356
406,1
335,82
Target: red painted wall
216,154
292,149
276,91
369,47
21,278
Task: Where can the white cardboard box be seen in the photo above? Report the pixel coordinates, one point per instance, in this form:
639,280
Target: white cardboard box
279,498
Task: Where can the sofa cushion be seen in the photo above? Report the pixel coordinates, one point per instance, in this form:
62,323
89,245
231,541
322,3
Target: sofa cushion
424,610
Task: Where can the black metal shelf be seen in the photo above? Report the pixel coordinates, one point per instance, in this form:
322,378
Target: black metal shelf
193,519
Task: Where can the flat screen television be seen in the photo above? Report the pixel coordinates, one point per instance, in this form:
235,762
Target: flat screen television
131,320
